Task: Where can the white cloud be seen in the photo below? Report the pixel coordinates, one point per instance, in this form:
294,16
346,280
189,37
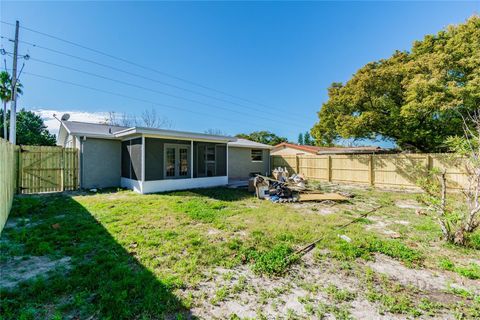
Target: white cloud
53,124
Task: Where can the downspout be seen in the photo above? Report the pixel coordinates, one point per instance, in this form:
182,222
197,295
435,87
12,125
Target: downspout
81,162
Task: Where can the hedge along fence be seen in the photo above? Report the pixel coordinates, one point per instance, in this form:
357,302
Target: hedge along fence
381,170
8,178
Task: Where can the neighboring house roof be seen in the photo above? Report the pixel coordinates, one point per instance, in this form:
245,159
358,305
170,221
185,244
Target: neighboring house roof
349,150
244,143
327,150
308,149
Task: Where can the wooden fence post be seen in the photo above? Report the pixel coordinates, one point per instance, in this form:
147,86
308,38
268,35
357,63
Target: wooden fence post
329,168
372,172
62,171
297,164
429,162
19,170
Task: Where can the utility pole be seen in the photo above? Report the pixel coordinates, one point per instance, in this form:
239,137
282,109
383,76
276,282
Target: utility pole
13,105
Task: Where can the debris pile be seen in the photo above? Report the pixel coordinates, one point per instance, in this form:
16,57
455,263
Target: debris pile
284,188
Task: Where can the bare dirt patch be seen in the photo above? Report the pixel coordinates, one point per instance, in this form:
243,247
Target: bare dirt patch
240,292
423,279
410,204
20,269
315,208
382,226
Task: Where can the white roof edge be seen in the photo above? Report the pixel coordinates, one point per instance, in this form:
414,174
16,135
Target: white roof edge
172,133
66,128
233,145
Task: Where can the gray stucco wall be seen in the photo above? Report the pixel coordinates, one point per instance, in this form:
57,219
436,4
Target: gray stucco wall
101,163
240,163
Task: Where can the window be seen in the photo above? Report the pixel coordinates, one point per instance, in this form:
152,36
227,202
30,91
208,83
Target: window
210,153
257,155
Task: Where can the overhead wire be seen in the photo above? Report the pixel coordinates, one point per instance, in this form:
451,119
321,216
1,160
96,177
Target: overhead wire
159,92
125,96
136,64
138,75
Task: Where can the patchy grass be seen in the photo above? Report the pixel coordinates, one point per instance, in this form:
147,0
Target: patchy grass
472,271
271,262
134,256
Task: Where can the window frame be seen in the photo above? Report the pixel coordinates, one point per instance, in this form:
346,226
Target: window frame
252,156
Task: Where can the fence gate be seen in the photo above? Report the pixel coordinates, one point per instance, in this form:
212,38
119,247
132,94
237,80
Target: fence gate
47,169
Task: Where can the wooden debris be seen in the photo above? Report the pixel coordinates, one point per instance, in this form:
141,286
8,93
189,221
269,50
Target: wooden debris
302,197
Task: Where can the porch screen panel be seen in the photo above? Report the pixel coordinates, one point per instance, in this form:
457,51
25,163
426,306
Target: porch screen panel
153,159
125,160
201,169
136,158
211,159
221,160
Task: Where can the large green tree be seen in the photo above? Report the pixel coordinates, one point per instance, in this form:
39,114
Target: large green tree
414,98
265,137
30,129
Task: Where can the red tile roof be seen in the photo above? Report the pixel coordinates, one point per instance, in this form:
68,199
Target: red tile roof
320,150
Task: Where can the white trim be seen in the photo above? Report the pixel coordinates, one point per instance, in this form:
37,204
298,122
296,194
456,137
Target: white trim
183,184
173,184
134,185
162,133
136,136
265,147
143,158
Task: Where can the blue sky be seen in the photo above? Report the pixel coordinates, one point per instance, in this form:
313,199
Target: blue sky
280,56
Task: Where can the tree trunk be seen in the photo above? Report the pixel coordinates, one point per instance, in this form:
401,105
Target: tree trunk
5,120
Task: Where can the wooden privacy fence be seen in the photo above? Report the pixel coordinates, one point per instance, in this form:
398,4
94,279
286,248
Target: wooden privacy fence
8,171
47,169
382,170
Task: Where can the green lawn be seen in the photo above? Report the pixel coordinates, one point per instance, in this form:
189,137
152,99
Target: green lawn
147,256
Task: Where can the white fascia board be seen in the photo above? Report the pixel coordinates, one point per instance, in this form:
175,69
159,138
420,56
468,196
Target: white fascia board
250,147
97,136
169,134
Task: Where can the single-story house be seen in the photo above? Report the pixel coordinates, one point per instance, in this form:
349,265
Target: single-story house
154,160
285,149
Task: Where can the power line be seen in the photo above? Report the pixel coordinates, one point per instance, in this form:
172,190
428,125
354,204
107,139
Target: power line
158,92
137,64
137,75
124,96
